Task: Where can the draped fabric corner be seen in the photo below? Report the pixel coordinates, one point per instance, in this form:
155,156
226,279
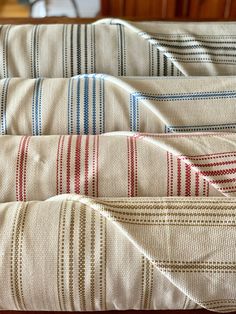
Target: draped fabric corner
117,172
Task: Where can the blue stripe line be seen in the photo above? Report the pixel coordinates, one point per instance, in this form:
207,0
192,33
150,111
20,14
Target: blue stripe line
35,108
86,106
191,96
94,104
78,107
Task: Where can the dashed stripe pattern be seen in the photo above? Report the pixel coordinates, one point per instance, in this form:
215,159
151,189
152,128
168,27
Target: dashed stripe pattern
21,169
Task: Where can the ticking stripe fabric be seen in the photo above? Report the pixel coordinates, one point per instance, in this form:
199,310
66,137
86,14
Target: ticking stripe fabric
78,253
117,184
98,103
118,48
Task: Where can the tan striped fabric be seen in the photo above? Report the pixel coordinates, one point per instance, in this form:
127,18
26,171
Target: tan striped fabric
118,48
79,253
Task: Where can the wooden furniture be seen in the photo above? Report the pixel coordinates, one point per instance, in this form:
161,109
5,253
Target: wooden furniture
166,9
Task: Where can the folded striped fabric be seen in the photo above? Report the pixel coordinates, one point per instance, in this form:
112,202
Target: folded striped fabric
78,253
97,103
118,48
117,190
113,165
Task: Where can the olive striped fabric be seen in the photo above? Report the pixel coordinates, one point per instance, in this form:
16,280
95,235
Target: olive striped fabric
77,253
118,48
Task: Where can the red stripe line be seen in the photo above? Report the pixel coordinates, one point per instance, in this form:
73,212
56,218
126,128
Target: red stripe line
21,169
25,167
61,166
204,187
86,165
68,163
187,180
18,168
57,166
222,181
132,167
136,167
168,174
97,160
196,184
171,175
208,188
209,156
218,172
94,166
227,188
178,176
220,163
77,163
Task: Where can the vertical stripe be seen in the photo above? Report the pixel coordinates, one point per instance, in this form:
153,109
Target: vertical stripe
3,102
187,180
86,105
61,259
71,259
94,47
121,51
178,176
132,167
86,166
101,105
21,170
68,165
5,51
196,184
78,108
94,105
165,65
85,49
71,50
77,164
102,263
78,49
17,263
37,107
65,51
70,105
92,261
35,51
82,270
59,165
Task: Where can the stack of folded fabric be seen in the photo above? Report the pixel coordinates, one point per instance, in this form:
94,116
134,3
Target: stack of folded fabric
117,184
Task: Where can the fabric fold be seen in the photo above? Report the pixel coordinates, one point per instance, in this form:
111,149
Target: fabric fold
76,258
99,103
114,165
136,49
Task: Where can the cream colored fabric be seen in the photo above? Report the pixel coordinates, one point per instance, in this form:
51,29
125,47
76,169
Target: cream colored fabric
98,103
112,165
79,253
152,221
118,48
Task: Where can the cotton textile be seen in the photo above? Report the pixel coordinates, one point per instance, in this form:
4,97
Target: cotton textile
98,103
117,47
112,165
79,253
147,164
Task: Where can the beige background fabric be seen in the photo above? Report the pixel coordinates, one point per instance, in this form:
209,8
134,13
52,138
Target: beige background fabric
97,103
138,49
38,167
64,254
